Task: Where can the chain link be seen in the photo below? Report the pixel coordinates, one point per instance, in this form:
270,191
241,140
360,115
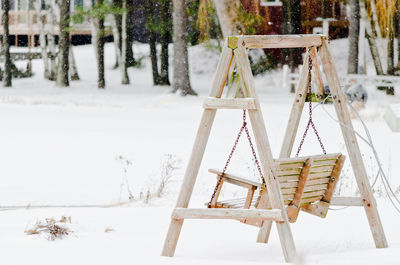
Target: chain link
310,119
219,181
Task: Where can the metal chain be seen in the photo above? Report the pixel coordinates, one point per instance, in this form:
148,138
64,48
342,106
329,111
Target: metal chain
310,119
219,181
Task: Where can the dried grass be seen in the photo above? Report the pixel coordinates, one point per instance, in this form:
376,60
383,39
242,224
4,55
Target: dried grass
51,228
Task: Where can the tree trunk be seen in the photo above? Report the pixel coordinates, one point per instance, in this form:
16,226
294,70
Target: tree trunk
63,45
151,39
291,24
117,31
99,43
73,71
7,76
354,33
165,37
223,17
51,41
369,34
130,59
124,68
181,80
153,57
42,39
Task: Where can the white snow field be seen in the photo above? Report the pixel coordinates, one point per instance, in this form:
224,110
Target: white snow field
58,147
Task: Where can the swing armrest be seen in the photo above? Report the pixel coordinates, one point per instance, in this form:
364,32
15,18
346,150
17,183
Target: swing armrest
232,179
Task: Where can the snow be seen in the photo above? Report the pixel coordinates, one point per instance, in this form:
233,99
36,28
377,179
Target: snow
59,148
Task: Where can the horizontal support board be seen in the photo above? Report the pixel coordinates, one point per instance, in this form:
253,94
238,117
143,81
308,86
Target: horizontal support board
304,158
276,41
229,103
218,213
346,201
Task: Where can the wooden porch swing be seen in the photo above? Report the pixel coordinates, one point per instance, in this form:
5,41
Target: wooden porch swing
306,183
288,184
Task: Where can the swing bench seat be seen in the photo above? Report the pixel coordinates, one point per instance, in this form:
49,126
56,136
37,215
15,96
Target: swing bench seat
306,183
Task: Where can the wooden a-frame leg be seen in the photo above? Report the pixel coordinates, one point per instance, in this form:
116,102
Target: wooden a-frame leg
339,101
196,156
264,152
317,73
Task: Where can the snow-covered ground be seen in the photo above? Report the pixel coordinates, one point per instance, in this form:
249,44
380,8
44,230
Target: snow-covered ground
59,147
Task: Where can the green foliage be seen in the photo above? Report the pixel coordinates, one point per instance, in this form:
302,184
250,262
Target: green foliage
192,11
100,11
247,22
207,21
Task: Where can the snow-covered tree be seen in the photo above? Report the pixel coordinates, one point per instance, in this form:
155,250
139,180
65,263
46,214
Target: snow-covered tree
5,6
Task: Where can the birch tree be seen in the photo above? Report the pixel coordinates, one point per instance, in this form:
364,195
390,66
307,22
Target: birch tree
98,22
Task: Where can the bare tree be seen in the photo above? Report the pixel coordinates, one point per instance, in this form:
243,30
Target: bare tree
225,21
5,5
42,37
124,40
181,80
98,37
63,46
165,38
354,32
51,10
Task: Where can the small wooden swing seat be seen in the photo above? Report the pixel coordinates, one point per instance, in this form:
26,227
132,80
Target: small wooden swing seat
306,183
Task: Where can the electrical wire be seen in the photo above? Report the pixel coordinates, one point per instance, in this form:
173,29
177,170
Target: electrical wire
389,191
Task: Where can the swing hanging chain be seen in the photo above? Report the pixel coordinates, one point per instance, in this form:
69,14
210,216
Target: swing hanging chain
219,181
310,119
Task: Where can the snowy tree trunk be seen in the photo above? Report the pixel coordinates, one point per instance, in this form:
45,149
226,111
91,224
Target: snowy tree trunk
42,38
151,39
50,15
124,39
130,59
181,80
165,37
7,76
99,43
223,17
63,47
354,32
73,71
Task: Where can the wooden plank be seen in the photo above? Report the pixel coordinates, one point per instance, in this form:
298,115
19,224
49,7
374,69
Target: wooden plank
204,213
306,188
285,185
249,197
334,179
317,73
346,201
213,202
295,113
294,207
321,169
313,193
310,199
293,171
288,178
264,152
318,181
331,162
276,41
229,103
283,167
339,101
236,180
220,77
317,175
320,157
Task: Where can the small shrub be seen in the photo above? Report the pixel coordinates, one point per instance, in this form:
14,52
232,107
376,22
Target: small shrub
51,228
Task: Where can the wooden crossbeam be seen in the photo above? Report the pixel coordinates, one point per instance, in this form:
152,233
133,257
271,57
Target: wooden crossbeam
275,41
229,103
201,213
346,201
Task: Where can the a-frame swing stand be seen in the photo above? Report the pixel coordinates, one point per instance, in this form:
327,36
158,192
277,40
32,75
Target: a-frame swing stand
235,49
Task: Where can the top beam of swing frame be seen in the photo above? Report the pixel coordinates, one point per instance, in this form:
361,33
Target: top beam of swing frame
275,41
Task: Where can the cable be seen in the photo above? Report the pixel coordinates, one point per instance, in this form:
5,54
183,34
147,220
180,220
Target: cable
389,191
